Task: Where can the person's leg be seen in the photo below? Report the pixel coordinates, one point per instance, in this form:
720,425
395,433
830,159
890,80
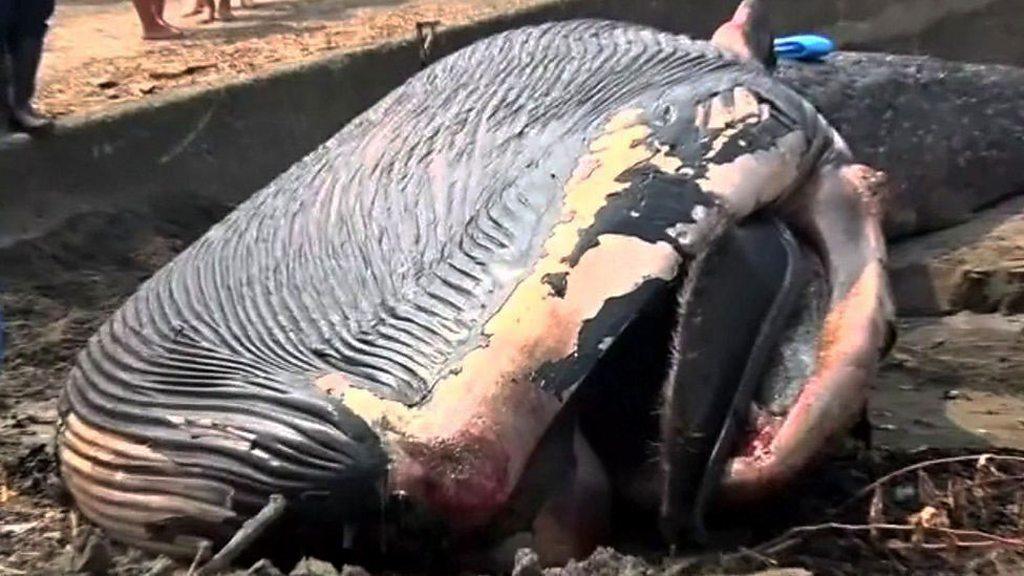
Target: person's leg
154,28
5,83
224,10
6,26
25,52
5,90
158,8
211,10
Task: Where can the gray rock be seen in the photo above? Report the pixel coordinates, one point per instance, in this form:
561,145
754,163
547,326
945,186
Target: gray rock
347,570
95,557
314,567
264,568
527,563
162,566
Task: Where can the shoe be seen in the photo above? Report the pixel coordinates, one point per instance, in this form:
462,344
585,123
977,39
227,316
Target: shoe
25,53
29,121
10,139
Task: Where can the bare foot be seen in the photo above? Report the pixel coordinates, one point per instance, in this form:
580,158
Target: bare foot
163,33
165,24
225,15
248,4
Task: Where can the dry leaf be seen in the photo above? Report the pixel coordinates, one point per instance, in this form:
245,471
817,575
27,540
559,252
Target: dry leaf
928,517
927,493
876,512
956,493
985,470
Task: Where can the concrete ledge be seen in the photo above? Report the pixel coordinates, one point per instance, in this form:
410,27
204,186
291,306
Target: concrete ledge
219,145
977,266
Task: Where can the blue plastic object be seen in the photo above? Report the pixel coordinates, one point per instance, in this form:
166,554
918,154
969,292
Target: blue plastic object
804,47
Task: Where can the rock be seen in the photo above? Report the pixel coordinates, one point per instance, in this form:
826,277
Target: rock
527,563
314,567
606,561
972,292
1012,304
955,395
904,493
347,570
264,568
104,83
95,557
162,566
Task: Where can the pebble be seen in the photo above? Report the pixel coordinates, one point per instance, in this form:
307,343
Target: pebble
264,568
527,563
162,566
314,567
904,493
955,394
95,558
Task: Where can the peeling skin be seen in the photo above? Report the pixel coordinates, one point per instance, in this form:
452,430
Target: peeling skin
754,180
462,451
757,178
720,113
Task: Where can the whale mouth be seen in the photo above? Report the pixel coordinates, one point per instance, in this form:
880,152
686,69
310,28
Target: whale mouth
749,407
814,390
787,379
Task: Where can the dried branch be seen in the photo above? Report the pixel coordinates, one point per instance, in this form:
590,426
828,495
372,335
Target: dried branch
980,537
252,529
981,458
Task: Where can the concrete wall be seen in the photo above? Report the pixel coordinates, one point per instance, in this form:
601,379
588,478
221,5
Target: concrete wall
219,145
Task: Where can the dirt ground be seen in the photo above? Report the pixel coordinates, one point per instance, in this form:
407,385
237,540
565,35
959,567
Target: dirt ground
96,59
953,386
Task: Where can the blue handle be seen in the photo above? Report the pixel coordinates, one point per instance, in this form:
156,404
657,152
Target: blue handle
804,47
